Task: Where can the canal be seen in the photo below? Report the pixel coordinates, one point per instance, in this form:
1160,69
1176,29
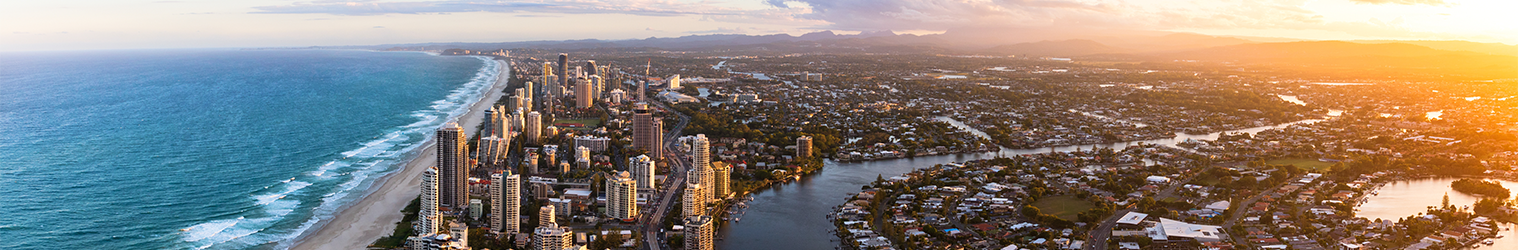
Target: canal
794,215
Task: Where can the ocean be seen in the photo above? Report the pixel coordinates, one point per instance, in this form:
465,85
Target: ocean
209,149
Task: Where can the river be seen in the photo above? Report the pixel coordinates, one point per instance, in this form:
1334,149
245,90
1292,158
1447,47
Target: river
1401,199
794,215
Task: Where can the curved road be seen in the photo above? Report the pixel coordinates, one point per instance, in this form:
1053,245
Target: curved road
674,180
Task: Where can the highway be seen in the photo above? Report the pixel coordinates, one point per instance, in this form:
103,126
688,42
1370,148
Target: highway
653,219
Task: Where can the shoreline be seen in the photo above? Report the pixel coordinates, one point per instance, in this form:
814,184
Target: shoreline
375,215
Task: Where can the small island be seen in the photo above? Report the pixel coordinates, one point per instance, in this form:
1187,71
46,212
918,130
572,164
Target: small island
1481,187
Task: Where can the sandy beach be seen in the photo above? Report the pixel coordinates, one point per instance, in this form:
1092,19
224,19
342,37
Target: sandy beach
374,216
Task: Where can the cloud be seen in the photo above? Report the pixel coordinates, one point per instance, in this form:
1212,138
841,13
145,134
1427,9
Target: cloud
1404,2
379,27
633,7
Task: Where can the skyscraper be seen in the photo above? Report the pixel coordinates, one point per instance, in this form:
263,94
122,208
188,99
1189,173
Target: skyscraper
452,160
518,122
489,122
428,217
529,97
721,173
505,202
532,128
803,147
647,132
698,232
674,82
693,201
642,170
622,197
547,68
563,69
492,151
591,66
515,100
597,85
701,163
583,98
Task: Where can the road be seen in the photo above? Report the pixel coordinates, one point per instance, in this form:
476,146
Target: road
653,220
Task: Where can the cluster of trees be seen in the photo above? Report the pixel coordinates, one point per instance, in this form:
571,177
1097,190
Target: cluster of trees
1481,187
1035,214
716,124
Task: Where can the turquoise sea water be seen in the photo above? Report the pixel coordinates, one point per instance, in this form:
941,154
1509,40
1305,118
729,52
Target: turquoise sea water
208,149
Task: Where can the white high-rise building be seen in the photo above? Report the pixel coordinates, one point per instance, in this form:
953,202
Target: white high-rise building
642,170
428,218
674,82
517,121
694,202
552,237
701,160
698,232
505,202
546,216
532,128
622,197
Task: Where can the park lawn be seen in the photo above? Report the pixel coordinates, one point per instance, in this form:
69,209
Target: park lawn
1304,163
589,123
1063,206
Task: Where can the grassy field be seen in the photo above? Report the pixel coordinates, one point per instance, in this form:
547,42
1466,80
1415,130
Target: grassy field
1304,163
589,123
1064,206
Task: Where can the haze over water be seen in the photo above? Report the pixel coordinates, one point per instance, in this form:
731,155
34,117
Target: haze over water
207,149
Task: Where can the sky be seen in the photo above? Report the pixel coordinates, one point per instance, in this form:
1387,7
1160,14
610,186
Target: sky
27,25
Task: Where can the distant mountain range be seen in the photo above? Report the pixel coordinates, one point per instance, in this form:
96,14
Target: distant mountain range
1436,59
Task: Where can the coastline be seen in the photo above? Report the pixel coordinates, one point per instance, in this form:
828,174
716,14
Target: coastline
375,215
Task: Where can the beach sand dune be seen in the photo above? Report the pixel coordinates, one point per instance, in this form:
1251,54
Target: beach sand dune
375,215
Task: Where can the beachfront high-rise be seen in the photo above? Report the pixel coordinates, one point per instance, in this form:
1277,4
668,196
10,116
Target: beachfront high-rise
428,217
622,197
647,132
532,128
528,97
642,169
583,98
489,122
693,201
803,147
698,232
492,151
517,121
505,202
721,174
453,165
701,163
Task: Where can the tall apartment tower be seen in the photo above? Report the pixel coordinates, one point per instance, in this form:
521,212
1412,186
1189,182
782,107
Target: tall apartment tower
647,132
505,202
545,216
547,68
429,219
803,147
453,165
698,232
642,170
701,160
692,202
674,82
563,69
489,122
622,197
517,121
583,98
590,65
532,128
492,151
597,85
721,174
503,128
528,96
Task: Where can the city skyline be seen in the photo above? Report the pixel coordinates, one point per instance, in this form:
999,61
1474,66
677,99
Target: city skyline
93,25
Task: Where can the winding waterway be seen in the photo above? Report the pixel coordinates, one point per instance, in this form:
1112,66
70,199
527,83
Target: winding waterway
1401,199
794,215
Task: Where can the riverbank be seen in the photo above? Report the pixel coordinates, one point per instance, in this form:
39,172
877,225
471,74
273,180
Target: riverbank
374,216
